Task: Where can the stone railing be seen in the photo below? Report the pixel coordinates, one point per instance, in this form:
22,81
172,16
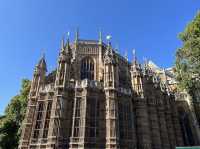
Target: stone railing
84,84
88,83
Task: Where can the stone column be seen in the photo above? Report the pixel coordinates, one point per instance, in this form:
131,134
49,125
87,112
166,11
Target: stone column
112,129
170,127
133,115
28,123
163,126
77,139
154,124
38,82
176,123
142,124
60,121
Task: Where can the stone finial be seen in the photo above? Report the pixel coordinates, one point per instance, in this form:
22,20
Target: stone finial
41,64
126,55
62,43
165,76
109,57
67,46
100,37
136,67
68,34
134,54
108,38
77,35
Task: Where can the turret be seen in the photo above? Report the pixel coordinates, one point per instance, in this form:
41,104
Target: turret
167,89
111,78
140,101
76,42
64,65
38,76
60,116
148,70
101,64
37,82
136,77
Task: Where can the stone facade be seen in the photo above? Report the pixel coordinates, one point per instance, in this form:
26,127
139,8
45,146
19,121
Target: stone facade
188,107
96,99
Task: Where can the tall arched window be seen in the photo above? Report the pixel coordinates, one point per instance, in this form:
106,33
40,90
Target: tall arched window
87,69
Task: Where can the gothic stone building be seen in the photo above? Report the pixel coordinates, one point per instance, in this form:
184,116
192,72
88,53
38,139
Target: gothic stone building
96,99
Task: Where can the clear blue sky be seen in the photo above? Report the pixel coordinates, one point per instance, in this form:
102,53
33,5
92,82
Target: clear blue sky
27,26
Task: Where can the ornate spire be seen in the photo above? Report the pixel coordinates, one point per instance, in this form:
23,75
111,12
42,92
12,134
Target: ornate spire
147,69
77,35
164,75
145,61
134,54
164,83
109,48
68,34
65,52
126,55
108,57
167,88
108,38
62,44
41,64
136,76
136,68
100,37
67,46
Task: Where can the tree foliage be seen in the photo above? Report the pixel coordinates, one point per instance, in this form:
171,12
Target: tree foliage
188,57
14,114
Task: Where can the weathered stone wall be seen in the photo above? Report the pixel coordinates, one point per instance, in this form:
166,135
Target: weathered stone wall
122,106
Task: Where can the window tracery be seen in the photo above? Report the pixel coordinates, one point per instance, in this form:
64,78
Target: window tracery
87,69
126,121
47,120
38,120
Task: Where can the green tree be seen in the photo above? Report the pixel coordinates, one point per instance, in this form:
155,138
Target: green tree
14,114
188,63
188,58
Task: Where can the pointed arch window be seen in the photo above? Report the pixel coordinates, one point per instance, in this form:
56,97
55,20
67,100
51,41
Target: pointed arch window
39,119
87,69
